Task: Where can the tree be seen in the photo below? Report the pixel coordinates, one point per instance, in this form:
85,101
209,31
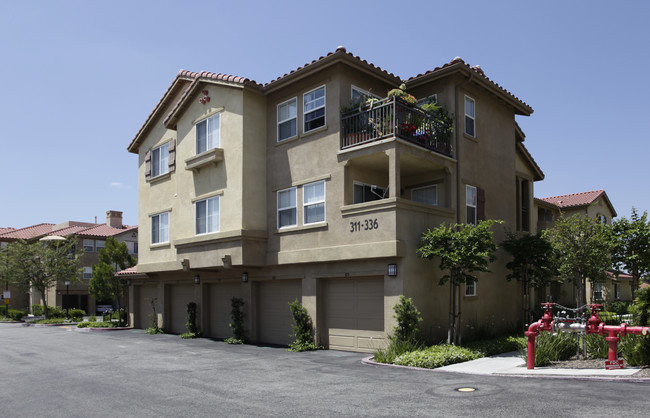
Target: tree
632,246
584,247
463,249
104,284
532,264
43,264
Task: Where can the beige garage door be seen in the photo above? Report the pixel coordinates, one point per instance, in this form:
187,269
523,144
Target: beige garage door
274,317
354,312
143,309
179,297
220,307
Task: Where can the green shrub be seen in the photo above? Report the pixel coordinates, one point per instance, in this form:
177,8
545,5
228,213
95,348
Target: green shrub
498,345
52,311
92,318
635,349
15,314
436,356
597,346
76,314
192,328
554,347
155,330
396,349
408,320
237,319
303,329
95,324
233,340
619,307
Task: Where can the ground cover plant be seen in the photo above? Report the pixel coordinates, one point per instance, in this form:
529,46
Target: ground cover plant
303,329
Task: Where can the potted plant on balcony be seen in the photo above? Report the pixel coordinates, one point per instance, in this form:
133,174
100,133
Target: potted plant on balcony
401,95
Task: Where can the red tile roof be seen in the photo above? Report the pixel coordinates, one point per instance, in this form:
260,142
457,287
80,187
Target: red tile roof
104,230
128,272
574,199
29,232
3,230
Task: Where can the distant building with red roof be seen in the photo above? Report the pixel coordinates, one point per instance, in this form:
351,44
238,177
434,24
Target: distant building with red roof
91,237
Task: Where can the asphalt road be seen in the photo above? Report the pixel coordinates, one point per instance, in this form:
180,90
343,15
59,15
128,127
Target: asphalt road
58,372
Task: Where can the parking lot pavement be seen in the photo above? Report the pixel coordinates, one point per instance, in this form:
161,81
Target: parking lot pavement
61,373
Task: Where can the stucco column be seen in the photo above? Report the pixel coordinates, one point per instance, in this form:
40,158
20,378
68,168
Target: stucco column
393,172
132,306
310,300
247,290
162,310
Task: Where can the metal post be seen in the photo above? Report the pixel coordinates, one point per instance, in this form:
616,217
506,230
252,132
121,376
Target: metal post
67,297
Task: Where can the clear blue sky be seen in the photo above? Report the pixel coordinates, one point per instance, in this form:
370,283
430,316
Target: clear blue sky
79,79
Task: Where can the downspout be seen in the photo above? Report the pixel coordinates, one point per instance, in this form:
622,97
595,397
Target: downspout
457,105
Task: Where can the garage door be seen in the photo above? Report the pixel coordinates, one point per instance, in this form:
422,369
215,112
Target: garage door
143,309
179,297
354,312
220,307
274,317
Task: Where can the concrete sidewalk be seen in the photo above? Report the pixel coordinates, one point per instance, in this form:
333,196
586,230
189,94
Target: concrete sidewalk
512,364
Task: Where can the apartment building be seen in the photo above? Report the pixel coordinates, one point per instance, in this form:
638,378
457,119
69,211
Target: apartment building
91,237
268,192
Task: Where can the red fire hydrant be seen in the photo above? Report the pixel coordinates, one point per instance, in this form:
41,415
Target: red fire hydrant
544,324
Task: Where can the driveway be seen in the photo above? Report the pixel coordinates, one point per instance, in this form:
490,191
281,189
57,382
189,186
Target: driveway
59,372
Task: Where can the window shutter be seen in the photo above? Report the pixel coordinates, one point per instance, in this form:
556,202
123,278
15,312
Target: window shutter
480,204
172,155
147,165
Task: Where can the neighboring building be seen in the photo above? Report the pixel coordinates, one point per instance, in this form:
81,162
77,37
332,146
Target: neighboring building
269,193
91,237
593,204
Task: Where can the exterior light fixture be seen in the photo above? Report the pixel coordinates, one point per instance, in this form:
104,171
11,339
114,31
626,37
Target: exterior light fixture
392,270
197,279
244,277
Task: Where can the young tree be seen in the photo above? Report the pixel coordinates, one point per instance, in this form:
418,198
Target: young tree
104,284
43,264
532,264
584,248
463,250
632,246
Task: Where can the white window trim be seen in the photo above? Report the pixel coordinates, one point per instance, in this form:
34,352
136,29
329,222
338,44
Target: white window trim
472,287
306,205
218,226
286,120
475,206
87,271
434,186
91,246
324,107
279,209
472,117
151,227
208,146
164,168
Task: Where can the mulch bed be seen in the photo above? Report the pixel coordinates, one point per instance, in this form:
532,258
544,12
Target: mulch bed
594,364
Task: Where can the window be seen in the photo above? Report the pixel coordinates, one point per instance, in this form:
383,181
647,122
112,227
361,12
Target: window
602,219
368,193
428,195
470,289
598,291
160,160
287,208
132,246
617,290
314,109
288,119
470,116
471,203
160,228
100,245
208,133
207,215
360,95
433,99
313,202
89,245
523,199
88,273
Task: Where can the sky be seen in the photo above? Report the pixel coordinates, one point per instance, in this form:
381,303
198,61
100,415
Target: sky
79,79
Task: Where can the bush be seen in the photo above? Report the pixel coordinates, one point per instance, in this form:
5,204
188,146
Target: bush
52,311
192,328
14,314
408,320
436,356
396,349
154,330
76,315
55,320
95,324
635,349
618,307
237,319
597,346
554,347
303,329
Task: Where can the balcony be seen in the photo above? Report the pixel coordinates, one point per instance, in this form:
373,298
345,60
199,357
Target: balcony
391,117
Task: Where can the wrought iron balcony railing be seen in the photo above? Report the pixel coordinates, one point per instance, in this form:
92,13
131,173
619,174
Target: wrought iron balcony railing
391,117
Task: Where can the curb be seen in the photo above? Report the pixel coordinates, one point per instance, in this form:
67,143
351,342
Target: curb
89,329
